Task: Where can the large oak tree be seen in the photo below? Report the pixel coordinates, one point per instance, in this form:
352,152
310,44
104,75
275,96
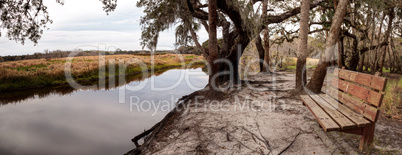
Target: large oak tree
238,21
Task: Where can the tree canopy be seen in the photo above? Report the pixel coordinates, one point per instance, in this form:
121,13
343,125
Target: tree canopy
367,31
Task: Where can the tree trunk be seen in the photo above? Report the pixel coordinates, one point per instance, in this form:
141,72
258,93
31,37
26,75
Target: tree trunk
335,4
394,62
266,40
374,66
230,66
213,43
302,50
198,45
362,58
318,77
355,56
266,52
234,59
383,59
341,61
369,59
260,49
387,34
397,64
361,64
390,59
366,64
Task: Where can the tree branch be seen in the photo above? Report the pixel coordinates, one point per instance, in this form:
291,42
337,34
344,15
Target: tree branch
195,39
363,50
290,39
280,18
196,13
234,15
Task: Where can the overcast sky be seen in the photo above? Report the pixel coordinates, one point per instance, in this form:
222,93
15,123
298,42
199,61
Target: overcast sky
83,24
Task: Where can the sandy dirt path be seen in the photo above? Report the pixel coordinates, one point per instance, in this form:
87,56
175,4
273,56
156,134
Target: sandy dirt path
261,117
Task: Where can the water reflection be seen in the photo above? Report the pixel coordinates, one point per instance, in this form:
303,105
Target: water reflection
21,95
68,121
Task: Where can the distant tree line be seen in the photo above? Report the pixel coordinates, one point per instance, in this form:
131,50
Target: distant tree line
62,54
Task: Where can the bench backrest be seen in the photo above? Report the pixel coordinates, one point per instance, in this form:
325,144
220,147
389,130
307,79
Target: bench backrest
361,92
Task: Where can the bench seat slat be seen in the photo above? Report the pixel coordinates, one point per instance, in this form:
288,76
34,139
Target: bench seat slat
364,109
338,117
325,121
353,116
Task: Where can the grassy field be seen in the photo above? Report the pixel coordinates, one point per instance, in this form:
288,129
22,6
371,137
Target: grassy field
291,62
40,72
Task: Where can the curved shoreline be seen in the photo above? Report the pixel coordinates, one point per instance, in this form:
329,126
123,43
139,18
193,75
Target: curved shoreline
65,83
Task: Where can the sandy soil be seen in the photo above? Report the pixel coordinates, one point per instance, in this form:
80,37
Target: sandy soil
261,118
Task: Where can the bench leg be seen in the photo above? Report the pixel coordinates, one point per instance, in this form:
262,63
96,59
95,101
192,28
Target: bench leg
367,137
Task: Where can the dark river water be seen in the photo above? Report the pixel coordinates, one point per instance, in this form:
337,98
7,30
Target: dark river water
100,120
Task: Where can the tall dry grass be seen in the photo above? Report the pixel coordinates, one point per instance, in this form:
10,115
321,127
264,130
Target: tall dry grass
40,72
391,105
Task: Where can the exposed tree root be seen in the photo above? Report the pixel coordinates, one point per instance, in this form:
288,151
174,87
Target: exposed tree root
265,140
160,124
290,143
170,117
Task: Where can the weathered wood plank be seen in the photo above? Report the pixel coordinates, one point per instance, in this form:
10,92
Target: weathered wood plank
356,131
365,94
353,116
368,80
338,117
325,121
357,105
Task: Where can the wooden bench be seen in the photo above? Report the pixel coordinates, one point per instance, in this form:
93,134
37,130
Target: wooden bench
350,104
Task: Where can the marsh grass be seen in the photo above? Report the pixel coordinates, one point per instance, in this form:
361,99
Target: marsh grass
39,72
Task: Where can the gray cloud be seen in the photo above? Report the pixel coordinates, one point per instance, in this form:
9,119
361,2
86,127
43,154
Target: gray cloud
78,23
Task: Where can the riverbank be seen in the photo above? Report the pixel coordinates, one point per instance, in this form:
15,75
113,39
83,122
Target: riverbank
261,118
36,73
